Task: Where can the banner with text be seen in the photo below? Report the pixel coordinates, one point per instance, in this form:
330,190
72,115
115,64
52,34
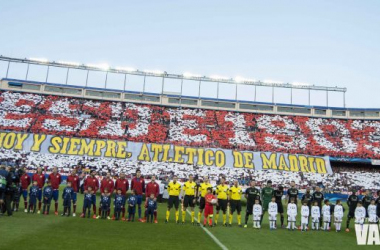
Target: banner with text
222,158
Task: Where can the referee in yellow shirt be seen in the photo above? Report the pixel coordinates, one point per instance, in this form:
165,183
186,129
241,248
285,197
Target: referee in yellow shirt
188,199
222,193
235,202
203,191
174,189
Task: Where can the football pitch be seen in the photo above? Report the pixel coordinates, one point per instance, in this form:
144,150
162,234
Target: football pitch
35,231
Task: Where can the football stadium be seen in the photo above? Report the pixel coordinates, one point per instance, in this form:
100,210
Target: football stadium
111,165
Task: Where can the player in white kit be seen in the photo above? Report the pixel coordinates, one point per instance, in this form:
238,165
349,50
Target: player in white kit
305,212
292,214
315,216
360,214
372,215
272,211
257,212
326,213
338,215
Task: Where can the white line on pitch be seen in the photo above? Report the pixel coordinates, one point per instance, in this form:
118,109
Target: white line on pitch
210,234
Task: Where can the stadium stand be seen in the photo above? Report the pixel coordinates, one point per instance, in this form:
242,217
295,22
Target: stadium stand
77,117
36,113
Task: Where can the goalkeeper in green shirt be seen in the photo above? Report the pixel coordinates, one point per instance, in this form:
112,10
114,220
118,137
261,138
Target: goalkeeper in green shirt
266,197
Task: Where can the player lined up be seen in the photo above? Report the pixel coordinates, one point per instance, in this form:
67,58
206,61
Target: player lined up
226,198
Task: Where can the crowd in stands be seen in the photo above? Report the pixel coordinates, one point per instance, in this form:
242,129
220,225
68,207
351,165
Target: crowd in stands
344,178
36,113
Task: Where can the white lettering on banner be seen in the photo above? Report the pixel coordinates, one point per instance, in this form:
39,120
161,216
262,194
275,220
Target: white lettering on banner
141,126
267,123
240,130
373,135
339,130
178,125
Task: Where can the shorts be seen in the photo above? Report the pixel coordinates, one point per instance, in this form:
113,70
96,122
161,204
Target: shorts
25,194
351,214
173,201
235,205
132,210
372,219
249,208
265,205
222,205
291,218
55,194
327,219
87,204
66,203
209,210
139,199
359,220
93,199
47,201
39,194
272,217
188,201
280,208
202,203
74,198
315,219
304,220
256,217
338,219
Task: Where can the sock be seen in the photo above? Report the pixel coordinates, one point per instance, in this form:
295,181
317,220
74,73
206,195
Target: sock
205,221
216,218
192,216
282,220
74,208
261,219
246,218
224,218
123,212
139,211
25,204
155,215
43,209
230,219
39,205
167,215
94,209
183,216
199,217
210,220
239,219
146,214
56,206
176,216
348,223
100,211
317,224
48,209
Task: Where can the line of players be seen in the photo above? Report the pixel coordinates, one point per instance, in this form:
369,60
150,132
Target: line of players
227,199
39,194
267,200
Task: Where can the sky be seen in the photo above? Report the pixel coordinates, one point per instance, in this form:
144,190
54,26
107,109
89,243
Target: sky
324,42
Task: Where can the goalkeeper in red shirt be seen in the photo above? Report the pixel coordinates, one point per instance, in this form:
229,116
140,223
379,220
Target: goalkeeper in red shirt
209,208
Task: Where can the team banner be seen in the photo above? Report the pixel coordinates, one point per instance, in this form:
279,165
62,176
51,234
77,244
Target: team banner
213,157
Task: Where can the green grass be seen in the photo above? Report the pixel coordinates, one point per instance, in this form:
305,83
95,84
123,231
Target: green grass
33,231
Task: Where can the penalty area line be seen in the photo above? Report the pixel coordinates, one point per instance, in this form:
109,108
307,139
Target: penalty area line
220,244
